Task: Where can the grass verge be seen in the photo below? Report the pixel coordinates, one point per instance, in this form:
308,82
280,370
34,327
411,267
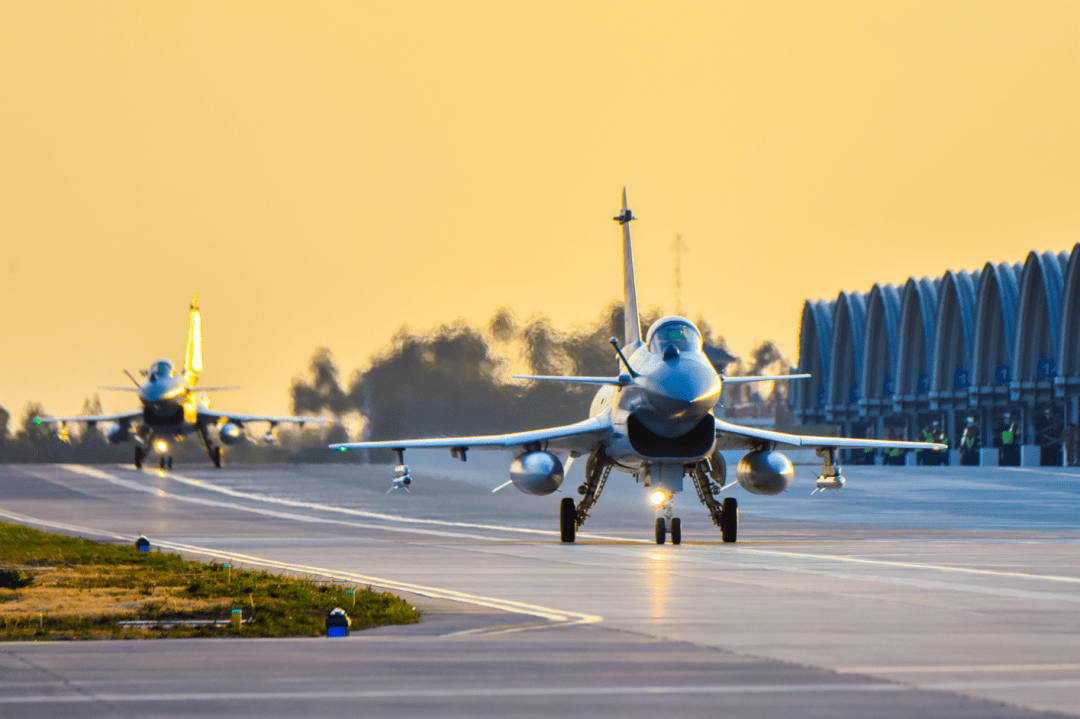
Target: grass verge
58,587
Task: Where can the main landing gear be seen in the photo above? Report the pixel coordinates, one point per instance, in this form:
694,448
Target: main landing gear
567,520
215,451
597,470
724,515
140,455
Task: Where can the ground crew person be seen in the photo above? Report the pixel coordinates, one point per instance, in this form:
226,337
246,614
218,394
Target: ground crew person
969,443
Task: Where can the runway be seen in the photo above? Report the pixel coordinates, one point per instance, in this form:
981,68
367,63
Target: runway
913,592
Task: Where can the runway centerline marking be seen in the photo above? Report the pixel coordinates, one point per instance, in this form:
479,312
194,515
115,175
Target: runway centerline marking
506,692
743,558
301,504
462,693
961,669
912,565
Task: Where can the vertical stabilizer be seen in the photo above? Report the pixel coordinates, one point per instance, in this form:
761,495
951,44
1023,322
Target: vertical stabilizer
632,322
193,354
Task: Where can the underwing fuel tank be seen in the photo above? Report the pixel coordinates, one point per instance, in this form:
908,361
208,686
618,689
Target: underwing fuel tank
765,473
537,473
231,433
118,433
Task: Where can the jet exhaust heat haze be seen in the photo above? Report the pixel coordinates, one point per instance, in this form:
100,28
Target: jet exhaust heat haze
653,420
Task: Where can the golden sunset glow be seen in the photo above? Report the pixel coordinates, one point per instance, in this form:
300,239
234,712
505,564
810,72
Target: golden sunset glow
323,173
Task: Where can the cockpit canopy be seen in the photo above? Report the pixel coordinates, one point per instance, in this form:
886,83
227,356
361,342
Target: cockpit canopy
160,369
673,331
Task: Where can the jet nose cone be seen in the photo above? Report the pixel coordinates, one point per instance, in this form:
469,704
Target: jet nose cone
682,389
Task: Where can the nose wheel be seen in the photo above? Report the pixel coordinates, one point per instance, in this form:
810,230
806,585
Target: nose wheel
662,530
140,455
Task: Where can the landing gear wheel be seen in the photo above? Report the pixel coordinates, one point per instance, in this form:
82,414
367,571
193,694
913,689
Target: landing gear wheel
215,456
139,457
676,531
169,462
567,520
729,520
163,463
661,530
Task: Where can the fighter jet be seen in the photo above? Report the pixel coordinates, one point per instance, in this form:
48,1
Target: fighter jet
655,421
173,407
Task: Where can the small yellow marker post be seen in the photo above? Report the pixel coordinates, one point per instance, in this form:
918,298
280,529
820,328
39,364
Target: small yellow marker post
237,618
228,576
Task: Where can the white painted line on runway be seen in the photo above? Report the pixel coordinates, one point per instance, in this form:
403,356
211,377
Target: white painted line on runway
460,693
506,605
739,558
961,669
88,696
984,686
562,618
128,484
35,522
209,486
1046,470
489,631
911,565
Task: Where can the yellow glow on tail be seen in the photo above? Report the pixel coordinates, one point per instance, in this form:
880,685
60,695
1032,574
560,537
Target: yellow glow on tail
193,364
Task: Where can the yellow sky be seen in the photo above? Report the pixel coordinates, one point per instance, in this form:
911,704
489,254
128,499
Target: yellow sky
322,173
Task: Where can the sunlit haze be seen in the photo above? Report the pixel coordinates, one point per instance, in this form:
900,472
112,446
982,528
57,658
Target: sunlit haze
324,173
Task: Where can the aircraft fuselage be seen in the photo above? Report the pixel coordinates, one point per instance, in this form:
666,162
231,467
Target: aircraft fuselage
167,400
664,415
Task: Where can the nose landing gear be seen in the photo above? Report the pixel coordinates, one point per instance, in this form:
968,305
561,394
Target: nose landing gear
662,530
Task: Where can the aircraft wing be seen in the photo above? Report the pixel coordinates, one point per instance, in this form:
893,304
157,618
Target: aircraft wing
580,437
91,418
215,416
733,436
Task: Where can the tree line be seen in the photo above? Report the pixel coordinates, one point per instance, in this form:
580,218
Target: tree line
454,379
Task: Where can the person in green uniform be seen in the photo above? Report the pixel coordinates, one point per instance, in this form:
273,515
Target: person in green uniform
969,443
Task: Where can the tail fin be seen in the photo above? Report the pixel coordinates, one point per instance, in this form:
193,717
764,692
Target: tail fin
631,319
193,364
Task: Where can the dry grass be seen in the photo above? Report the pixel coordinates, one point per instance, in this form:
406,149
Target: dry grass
57,593
57,587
